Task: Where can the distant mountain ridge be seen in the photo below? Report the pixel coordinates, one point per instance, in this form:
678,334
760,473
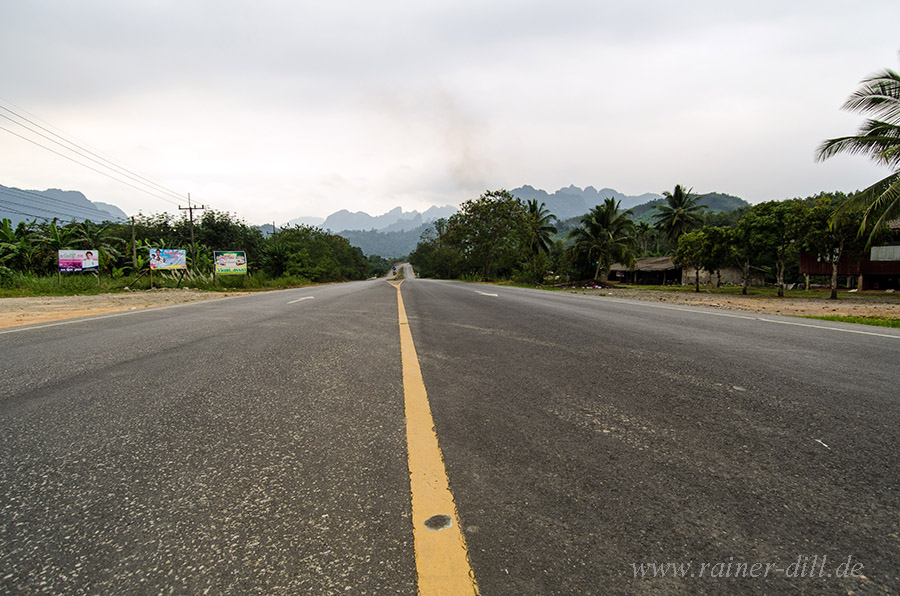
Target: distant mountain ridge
64,205
573,201
395,220
400,237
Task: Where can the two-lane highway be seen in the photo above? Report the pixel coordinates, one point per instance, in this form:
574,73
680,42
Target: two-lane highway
257,445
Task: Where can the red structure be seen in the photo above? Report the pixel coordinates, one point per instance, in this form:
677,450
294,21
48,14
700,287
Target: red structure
877,270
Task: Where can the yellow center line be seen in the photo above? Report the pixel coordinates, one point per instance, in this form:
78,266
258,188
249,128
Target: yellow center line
441,560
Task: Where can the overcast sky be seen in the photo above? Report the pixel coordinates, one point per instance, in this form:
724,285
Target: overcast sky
274,110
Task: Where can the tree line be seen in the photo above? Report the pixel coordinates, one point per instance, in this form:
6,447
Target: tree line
500,236
298,254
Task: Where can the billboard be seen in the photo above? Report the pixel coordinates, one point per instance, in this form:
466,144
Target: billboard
166,259
78,260
231,263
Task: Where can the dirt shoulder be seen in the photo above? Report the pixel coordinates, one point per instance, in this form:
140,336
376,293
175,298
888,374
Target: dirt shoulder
44,309
865,304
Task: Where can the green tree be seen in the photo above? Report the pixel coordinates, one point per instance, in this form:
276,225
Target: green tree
680,214
53,240
606,235
313,254
490,233
879,139
7,244
833,234
718,250
690,253
749,248
777,228
539,227
275,257
435,255
539,231
643,232
101,238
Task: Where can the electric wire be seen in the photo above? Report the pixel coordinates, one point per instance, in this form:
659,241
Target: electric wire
70,139
43,197
88,154
143,190
31,215
71,210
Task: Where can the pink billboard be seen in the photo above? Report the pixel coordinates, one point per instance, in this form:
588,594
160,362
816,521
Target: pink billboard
71,261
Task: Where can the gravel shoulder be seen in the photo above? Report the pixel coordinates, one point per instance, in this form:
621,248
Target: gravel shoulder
866,304
45,309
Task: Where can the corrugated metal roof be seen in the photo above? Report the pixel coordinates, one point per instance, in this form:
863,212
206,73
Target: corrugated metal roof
648,264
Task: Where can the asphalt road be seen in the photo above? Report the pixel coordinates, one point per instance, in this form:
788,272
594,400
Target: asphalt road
256,445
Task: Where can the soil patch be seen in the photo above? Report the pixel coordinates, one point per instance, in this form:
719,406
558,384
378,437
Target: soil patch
864,304
44,309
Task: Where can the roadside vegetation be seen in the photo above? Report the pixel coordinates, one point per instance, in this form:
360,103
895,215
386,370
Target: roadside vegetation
292,257
498,237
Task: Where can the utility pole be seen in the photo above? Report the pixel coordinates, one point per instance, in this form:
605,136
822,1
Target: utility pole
190,210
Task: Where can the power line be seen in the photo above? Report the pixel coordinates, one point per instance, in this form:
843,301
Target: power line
87,153
70,209
17,212
43,197
143,190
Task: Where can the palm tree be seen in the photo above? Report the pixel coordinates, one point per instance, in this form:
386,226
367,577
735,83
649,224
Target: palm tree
680,214
56,238
540,227
605,234
643,235
879,138
101,238
22,244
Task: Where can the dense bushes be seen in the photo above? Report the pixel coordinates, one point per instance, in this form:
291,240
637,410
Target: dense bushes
298,254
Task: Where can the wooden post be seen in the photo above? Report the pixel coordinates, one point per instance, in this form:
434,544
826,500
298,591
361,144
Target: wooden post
190,209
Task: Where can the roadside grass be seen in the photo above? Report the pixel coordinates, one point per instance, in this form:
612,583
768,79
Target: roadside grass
877,321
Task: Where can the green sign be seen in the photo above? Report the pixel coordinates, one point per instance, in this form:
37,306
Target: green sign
231,263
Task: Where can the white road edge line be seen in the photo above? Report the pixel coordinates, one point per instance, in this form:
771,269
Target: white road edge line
304,298
486,294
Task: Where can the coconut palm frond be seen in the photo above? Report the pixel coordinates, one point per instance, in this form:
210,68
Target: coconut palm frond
879,95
